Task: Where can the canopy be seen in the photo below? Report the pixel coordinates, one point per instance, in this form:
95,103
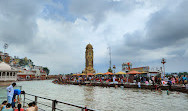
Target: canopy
134,72
83,74
90,74
108,73
120,72
143,72
78,74
99,73
74,74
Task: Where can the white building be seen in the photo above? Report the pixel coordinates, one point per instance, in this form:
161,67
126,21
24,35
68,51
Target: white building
7,73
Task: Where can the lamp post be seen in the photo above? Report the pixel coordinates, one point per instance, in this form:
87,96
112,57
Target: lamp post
5,47
114,67
163,61
110,62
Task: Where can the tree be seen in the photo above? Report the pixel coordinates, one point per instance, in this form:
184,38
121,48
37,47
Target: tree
110,70
21,62
46,70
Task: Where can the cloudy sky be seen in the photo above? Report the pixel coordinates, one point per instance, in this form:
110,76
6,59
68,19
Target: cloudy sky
54,33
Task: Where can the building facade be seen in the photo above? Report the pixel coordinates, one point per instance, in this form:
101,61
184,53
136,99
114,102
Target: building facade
89,60
144,69
7,73
126,66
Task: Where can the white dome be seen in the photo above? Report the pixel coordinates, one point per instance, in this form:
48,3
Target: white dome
4,67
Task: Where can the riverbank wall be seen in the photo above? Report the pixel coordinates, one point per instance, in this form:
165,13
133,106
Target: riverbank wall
150,87
5,83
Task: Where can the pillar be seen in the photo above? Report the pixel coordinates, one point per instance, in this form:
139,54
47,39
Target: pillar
15,74
5,76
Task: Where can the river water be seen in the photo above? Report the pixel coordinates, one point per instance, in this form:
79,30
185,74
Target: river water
106,99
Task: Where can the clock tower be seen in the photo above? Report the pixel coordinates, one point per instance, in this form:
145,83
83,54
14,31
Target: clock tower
89,59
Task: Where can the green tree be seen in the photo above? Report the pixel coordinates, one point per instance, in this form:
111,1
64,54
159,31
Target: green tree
22,62
110,70
46,70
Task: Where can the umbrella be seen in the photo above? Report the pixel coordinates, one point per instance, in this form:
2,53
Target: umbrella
108,73
83,74
90,74
120,72
99,73
78,74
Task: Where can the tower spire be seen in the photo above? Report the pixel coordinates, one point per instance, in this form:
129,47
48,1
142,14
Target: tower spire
89,59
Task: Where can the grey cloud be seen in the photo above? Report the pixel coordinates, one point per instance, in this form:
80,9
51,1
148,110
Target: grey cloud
18,20
165,28
98,9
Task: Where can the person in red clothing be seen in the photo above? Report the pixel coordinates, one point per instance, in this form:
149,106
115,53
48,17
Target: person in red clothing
19,108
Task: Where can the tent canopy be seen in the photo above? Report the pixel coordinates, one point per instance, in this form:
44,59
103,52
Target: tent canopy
134,72
78,74
108,73
120,72
90,74
99,73
83,74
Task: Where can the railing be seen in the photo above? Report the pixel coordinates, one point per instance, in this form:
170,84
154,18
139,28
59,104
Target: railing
53,103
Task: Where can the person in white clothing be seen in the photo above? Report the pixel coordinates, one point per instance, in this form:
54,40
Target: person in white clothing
10,92
139,86
114,79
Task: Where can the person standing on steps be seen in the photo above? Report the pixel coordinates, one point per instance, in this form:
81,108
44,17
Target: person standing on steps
10,92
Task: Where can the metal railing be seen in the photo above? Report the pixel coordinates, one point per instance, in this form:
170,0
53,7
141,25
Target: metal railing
53,103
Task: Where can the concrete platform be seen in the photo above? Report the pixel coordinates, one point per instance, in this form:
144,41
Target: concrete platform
150,87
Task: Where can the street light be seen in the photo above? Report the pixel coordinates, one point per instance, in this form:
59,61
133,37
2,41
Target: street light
5,47
163,61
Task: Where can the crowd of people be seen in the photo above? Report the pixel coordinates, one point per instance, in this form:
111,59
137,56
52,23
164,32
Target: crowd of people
13,97
122,79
